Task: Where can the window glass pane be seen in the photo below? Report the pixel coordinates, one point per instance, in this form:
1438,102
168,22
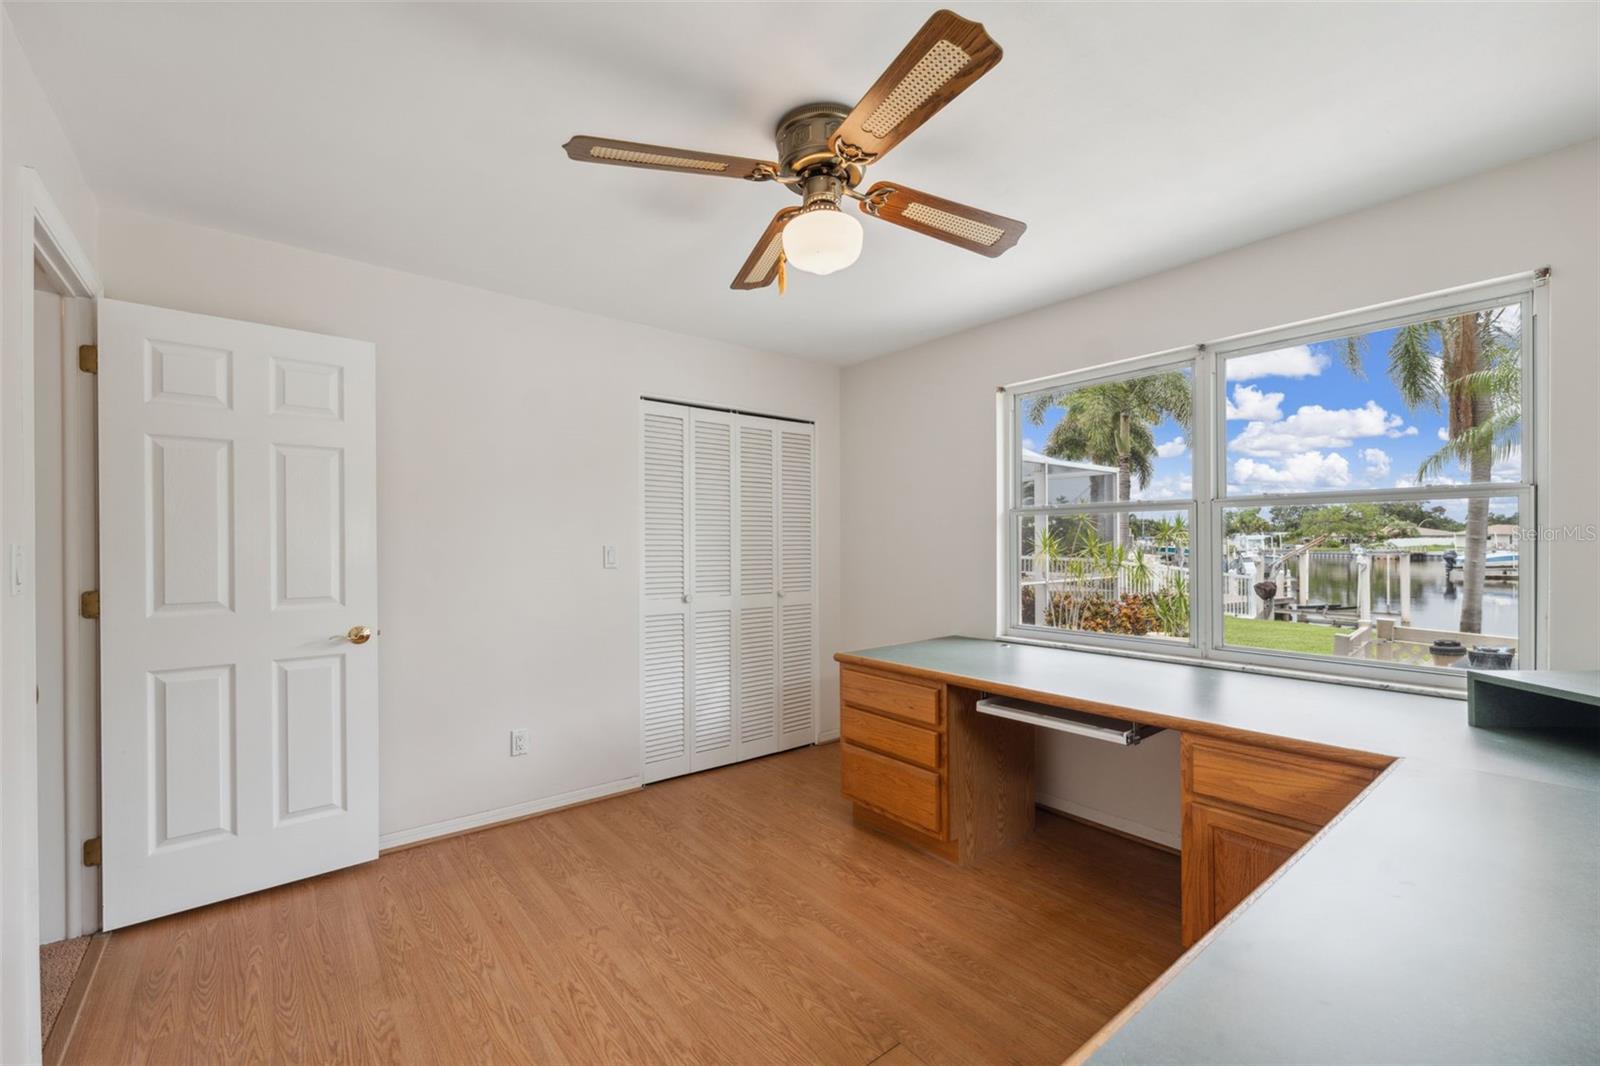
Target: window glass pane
1117,440
1119,573
1436,402
1429,583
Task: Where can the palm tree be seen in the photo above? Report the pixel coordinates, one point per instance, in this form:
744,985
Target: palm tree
1474,373
1112,424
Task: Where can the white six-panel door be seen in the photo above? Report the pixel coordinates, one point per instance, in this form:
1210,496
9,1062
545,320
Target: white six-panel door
238,546
728,618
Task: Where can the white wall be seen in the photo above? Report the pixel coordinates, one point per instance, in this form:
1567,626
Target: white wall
29,136
929,415
506,457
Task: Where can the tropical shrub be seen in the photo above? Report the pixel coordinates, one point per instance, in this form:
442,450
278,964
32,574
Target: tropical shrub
1131,615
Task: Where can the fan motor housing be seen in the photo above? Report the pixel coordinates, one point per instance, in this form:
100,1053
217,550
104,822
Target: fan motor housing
802,137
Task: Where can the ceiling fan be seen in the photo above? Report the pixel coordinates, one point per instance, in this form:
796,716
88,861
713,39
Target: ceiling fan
824,150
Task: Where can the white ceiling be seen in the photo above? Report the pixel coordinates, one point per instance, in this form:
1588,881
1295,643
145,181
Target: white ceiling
1130,138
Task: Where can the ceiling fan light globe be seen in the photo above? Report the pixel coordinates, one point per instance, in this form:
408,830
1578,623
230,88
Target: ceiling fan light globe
821,241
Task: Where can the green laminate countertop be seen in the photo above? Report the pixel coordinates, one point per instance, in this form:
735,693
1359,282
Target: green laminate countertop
1451,915
1582,686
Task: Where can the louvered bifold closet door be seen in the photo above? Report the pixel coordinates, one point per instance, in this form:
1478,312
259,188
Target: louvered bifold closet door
729,626
797,579
758,587
713,583
665,669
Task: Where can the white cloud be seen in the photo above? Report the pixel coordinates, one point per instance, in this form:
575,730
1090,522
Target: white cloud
1167,488
1509,468
1250,402
1030,444
1437,479
1409,431
1315,426
1377,461
1172,448
1297,362
1301,471
1443,433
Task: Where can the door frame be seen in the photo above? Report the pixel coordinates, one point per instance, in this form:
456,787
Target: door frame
34,225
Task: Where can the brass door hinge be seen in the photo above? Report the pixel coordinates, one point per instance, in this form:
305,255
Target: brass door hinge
91,851
89,358
89,604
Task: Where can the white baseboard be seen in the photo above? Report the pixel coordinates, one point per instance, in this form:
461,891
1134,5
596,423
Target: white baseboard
1110,821
420,833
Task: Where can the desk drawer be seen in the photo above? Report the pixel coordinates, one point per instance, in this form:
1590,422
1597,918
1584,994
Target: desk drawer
902,791
890,736
1308,790
917,701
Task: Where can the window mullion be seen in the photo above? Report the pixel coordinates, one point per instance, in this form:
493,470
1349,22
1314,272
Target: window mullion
1202,537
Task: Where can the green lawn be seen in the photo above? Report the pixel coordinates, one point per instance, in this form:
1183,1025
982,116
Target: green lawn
1279,636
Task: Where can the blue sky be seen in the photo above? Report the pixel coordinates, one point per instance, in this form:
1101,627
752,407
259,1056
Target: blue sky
1299,420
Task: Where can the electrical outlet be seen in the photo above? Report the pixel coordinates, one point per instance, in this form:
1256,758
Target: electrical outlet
608,556
519,742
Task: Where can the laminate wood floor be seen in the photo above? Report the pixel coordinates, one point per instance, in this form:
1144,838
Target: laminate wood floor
735,916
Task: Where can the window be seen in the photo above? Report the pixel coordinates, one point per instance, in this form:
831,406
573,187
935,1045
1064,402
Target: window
1105,503
1352,496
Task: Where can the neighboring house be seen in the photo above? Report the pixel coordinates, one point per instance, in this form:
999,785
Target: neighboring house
1053,481
1257,543
1503,537
1427,538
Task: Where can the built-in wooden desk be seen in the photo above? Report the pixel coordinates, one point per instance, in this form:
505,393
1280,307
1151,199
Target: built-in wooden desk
919,761
1447,907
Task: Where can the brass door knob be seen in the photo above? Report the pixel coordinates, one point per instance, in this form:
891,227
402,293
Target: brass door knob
359,634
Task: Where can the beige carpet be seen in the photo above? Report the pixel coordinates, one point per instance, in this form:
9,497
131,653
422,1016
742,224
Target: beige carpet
58,965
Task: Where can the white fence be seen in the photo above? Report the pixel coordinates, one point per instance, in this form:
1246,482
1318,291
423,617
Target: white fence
1084,578
1237,596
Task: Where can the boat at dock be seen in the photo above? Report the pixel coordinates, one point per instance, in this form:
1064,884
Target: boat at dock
1497,566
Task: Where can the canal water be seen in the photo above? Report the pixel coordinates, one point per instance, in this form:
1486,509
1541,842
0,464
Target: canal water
1435,600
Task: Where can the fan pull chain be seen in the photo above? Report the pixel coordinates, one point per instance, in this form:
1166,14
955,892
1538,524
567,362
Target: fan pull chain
783,274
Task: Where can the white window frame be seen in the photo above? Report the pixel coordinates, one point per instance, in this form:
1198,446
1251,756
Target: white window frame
1210,499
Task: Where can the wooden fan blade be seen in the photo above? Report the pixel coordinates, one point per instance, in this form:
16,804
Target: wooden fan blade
658,157
965,227
762,266
945,57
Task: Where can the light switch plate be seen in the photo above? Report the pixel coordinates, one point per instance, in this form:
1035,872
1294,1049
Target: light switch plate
519,742
15,581
608,556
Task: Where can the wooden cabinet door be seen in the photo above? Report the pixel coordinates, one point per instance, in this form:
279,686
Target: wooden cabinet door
1226,855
